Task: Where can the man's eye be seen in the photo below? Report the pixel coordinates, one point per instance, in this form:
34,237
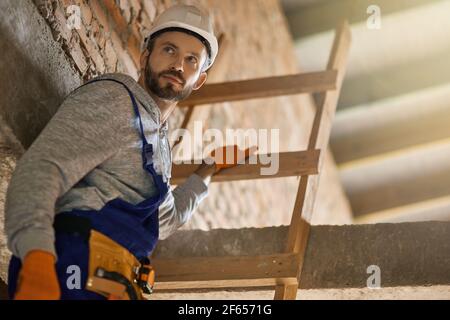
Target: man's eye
192,60
169,50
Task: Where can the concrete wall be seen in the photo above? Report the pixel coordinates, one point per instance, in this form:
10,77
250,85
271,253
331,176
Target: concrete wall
407,254
10,151
35,73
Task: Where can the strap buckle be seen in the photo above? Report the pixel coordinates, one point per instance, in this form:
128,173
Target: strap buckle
113,281
148,153
145,278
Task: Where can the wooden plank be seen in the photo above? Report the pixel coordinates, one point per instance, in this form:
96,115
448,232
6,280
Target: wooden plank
286,292
228,284
290,164
320,133
230,271
327,101
263,88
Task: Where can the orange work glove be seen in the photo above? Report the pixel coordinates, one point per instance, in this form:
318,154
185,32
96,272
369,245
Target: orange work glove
221,156
38,279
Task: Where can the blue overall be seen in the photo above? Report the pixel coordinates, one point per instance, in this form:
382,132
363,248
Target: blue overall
135,227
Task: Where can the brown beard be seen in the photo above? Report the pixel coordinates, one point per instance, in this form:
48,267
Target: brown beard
168,92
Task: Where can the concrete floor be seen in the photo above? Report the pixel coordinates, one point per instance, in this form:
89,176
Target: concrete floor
393,293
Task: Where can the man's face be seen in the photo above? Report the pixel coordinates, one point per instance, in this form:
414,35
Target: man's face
174,68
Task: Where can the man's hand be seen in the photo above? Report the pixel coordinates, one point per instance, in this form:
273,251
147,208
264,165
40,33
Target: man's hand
38,279
206,171
222,158
230,156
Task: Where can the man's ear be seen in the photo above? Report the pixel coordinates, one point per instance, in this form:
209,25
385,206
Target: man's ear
201,81
143,59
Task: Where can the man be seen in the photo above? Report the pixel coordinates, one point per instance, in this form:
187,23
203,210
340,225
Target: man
92,193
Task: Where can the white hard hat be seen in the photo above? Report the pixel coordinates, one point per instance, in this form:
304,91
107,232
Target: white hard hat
190,18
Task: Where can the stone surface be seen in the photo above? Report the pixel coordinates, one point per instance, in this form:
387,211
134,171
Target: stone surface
408,254
10,151
35,74
388,293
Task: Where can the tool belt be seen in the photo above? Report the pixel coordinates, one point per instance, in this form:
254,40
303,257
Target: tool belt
114,272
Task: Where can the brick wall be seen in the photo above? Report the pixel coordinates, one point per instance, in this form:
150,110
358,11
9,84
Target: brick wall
109,36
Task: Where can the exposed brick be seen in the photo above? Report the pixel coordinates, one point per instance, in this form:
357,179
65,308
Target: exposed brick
100,14
79,57
110,57
92,49
134,49
136,9
126,64
121,26
160,7
86,13
60,24
125,8
66,3
99,33
137,33
144,23
150,9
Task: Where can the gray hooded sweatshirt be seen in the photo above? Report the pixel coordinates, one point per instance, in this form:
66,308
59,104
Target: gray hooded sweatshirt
88,154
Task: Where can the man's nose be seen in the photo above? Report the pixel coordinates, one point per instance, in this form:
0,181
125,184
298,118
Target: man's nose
178,65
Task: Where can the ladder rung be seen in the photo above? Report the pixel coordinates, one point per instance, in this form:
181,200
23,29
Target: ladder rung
263,87
226,272
290,164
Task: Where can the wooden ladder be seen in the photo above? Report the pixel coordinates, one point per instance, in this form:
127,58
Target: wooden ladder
281,270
